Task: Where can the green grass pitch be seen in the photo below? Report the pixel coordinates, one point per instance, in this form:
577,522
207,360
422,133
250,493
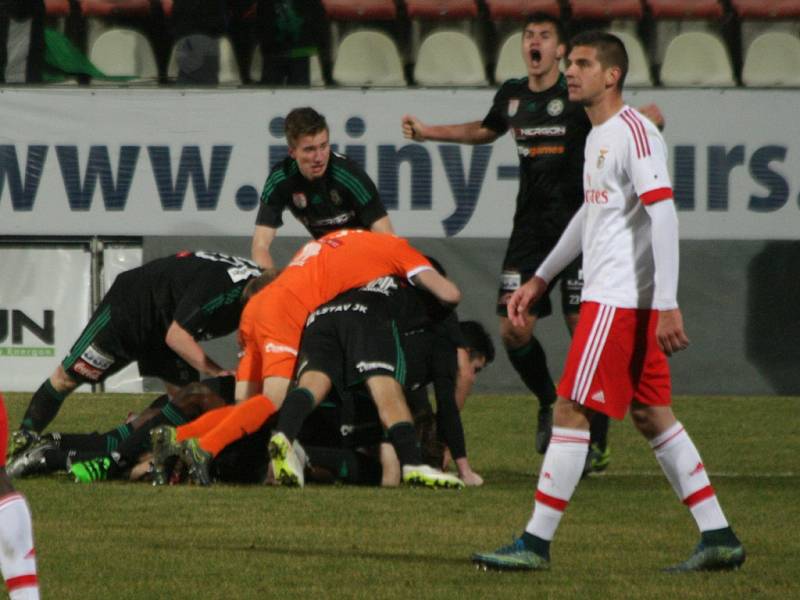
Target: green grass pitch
118,540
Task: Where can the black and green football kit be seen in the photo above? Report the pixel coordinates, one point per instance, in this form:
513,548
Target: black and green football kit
343,198
550,133
200,290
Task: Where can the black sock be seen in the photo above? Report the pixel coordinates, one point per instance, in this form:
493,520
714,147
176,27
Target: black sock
531,364
138,442
599,431
43,407
403,437
298,405
116,436
81,442
719,537
536,544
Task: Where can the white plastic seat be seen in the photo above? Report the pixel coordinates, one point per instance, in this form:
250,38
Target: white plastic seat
314,68
448,58
124,52
697,59
510,64
773,59
368,58
638,67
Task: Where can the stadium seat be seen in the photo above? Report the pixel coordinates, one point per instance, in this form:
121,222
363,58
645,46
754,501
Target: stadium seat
685,9
697,59
757,17
314,68
115,8
517,10
759,9
368,58
441,9
360,10
510,64
449,58
348,15
228,67
606,10
773,59
56,8
124,52
638,66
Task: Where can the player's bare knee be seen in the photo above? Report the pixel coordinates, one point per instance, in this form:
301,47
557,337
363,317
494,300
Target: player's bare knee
516,337
62,381
570,415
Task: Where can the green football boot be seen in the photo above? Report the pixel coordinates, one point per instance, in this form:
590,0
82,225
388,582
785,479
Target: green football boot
711,558
514,557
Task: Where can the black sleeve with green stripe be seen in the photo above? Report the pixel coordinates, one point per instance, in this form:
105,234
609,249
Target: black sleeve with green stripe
274,197
367,202
204,300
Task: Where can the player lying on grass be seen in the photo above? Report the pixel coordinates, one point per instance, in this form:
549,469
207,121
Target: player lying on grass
356,340
90,456
273,321
154,314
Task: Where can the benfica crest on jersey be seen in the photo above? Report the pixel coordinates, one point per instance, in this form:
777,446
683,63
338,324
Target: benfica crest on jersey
513,106
336,198
299,199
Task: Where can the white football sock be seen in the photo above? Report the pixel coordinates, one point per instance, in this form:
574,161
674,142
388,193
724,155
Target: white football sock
17,556
681,463
561,471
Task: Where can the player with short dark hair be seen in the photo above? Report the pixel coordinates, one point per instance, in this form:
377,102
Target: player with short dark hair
629,322
549,132
154,315
324,190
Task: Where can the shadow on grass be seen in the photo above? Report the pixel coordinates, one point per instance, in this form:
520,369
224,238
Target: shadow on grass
337,553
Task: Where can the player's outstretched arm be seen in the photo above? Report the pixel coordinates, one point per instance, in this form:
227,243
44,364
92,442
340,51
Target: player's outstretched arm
185,346
462,133
445,290
259,249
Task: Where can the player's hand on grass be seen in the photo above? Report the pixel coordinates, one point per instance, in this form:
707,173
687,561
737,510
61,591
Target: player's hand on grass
412,128
471,479
523,297
669,331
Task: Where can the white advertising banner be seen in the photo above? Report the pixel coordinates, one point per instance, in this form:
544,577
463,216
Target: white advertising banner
44,304
172,162
116,260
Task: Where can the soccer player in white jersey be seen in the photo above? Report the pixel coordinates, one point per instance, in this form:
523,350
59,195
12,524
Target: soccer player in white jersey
629,322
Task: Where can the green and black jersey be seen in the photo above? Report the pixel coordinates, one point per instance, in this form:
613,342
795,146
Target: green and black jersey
200,290
550,133
344,198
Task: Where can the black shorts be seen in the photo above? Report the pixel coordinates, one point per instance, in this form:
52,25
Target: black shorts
571,280
351,339
100,352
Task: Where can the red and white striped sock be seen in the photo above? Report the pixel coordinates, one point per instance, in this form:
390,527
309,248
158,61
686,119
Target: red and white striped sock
17,556
561,471
681,463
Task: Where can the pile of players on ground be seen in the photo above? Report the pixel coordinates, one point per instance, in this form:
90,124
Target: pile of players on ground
377,326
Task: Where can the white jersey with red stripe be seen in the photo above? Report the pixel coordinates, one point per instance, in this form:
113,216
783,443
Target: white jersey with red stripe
625,169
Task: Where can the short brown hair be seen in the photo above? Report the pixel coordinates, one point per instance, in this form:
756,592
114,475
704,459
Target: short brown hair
610,50
303,121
